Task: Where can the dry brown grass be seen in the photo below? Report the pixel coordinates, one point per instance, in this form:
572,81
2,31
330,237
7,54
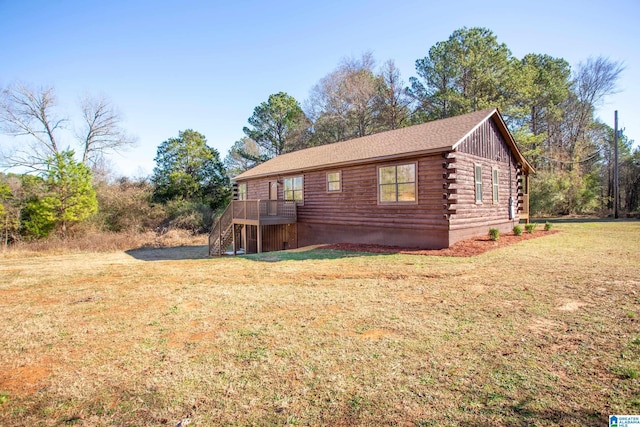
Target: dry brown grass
544,332
98,241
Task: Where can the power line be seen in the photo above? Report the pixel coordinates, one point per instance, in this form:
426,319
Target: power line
572,162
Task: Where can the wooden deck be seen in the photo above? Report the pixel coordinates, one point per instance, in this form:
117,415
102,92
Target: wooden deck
263,212
226,237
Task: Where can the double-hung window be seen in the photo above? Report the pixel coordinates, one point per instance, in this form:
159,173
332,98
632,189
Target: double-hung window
495,187
478,181
293,188
334,182
397,184
242,191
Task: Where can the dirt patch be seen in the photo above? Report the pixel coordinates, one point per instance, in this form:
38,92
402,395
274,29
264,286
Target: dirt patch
464,248
543,327
25,380
375,334
571,306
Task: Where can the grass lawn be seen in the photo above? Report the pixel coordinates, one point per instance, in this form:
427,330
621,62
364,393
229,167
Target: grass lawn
544,332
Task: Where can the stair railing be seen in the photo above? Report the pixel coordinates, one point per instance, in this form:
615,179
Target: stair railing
219,228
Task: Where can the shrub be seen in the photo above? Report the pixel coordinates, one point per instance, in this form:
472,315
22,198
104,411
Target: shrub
494,234
194,216
517,230
125,206
547,226
530,227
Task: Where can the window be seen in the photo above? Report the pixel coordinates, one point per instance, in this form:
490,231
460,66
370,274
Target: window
494,184
478,180
334,182
242,191
397,184
293,188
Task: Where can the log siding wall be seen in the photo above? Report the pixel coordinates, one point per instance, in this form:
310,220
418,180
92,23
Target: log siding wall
445,210
358,204
486,147
355,214
487,142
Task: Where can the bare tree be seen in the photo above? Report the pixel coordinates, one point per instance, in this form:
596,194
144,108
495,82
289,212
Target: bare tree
343,104
592,82
243,155
101,132
328,109
394,101
32,113
360,91
597,78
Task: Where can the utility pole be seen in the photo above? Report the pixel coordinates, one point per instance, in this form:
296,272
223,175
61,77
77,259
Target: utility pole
615,166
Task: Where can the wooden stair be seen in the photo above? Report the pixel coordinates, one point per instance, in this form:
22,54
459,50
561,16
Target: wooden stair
226,235
221,237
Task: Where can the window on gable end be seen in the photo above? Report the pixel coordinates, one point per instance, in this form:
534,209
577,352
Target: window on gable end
478,181
494,185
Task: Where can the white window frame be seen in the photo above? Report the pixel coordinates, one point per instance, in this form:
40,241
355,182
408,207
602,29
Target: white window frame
495,187
477,179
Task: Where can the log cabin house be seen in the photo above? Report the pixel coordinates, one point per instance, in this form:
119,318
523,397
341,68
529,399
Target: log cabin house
425,186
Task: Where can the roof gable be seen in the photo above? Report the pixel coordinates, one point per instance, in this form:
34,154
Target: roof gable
431,137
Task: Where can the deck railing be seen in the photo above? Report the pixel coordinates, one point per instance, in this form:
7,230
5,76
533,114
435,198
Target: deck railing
219,232
256,209
252,212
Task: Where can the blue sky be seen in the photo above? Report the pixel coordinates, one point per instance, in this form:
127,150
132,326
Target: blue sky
205,65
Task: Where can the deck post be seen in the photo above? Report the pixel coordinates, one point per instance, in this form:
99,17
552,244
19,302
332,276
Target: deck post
526,178
220,237
259,242
243,231
233,231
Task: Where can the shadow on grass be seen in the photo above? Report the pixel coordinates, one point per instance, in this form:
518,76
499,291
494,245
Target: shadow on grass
569,220
521,417
527,410
178,253
175,253
306,254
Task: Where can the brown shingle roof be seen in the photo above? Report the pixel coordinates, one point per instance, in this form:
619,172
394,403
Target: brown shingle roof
430,137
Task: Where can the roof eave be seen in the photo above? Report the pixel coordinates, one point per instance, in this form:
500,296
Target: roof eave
528,168
504,130
358,162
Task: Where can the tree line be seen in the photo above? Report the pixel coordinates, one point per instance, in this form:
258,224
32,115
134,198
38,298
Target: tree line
548,106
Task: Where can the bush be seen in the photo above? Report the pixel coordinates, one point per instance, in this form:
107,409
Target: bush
517,230
196,217
563,193
37,220
125,206
494,234
530,227
547,226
